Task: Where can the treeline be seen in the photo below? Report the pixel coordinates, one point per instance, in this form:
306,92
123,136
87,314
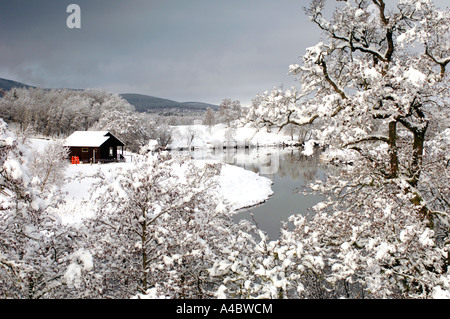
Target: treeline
58,113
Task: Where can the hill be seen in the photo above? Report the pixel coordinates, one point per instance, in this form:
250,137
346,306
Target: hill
7,85
141,102
147,103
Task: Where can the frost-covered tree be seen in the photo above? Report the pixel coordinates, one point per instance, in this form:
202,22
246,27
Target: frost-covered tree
159,229
49,165
35,248
127,126
163,134
376,90
208,117
59,112
229,111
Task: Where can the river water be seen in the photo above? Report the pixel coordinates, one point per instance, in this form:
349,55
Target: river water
289,171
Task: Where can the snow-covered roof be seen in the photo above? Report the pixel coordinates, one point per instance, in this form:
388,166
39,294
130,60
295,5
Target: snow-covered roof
87,138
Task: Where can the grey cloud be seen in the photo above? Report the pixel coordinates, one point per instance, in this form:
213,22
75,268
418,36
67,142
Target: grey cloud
202,50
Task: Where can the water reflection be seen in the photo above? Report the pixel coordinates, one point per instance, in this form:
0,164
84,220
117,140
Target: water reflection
289,171
294,172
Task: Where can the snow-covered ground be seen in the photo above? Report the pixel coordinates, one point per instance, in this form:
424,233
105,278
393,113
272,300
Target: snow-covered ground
203,136
240,187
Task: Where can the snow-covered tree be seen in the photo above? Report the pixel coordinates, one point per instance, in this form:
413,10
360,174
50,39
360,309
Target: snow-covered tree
229,111
127,126
35,248
159,229
59,112
49,165
376,90
163,134
208,117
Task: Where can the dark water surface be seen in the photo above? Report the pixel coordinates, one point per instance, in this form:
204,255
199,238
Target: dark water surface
289,171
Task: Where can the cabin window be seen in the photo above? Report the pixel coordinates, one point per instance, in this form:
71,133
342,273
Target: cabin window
111,151
85,150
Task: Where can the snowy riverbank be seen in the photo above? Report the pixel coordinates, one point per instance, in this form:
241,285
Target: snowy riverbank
239,187
219,135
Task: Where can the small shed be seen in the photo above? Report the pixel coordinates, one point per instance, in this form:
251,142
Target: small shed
95,146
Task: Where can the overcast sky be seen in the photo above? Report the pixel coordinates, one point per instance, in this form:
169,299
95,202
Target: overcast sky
185,50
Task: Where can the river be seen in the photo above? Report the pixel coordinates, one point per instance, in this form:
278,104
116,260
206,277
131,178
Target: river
289,171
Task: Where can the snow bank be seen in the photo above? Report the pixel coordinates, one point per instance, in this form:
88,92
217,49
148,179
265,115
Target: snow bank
243,188
203,136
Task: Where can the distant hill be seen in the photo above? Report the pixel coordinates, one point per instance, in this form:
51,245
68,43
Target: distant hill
7,85
141,103
147,103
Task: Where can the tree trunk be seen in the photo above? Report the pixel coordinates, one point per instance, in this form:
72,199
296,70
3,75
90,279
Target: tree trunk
393,161
416,163
144,250
416,169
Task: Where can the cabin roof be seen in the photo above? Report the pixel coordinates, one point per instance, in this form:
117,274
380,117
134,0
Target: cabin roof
89,138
